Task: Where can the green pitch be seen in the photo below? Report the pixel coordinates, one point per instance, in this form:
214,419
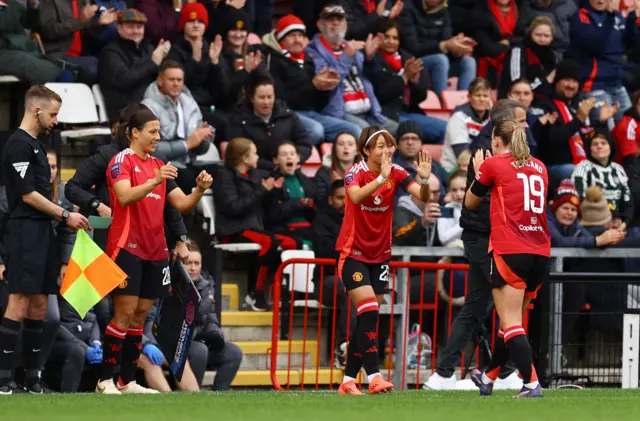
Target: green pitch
564,405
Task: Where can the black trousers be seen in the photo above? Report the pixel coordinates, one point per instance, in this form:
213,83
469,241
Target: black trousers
474,310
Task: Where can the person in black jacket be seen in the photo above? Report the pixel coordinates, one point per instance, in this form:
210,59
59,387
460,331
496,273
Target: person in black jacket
209,349
297,83
364,17
205,73
88,187
400,83
427,34
240,58
129,64
475,235
239,193
535,60
291,207
267,121
344,154
326,228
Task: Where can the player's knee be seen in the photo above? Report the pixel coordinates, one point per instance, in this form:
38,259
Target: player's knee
123,316
17,307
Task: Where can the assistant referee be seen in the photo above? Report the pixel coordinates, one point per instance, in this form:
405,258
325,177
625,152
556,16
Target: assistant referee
29,238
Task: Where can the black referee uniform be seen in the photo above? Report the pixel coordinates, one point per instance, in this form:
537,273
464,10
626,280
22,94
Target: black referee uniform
29,239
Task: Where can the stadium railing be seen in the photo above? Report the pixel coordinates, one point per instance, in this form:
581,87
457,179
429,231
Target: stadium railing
297,322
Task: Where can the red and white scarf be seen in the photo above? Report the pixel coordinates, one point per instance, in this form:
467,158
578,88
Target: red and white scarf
297,58
575,141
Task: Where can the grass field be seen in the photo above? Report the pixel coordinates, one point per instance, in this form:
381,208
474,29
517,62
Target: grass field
565,405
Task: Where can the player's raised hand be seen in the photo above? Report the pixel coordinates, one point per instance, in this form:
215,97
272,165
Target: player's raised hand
385,167
478,159
167,171
424,164
204,180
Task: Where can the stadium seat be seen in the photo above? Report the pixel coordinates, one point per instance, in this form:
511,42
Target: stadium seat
441,114
494,95
451,99
78,108
452,84
325,149
300,275
212,156
253,39
432,102
434,150
102,108
311,166
206,208
9,79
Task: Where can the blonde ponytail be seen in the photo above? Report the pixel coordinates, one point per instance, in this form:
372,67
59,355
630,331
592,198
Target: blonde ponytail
514,138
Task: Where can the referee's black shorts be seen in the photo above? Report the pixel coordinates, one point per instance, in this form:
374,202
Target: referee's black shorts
32,257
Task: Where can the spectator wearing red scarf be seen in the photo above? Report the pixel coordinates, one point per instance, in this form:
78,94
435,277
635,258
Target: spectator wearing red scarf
298,84
495,34
400,83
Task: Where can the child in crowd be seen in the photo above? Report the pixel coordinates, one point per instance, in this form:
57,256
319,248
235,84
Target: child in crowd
291,207
449,228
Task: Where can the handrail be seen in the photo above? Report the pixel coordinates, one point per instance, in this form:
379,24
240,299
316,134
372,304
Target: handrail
612,252
323,261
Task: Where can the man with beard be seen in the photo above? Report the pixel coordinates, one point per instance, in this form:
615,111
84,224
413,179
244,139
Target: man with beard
29,238
298,83
353,99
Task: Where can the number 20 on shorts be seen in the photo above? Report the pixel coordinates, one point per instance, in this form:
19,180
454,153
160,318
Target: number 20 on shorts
533,192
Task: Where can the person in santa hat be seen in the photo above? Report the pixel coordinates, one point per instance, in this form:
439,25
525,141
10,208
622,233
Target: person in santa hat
297,82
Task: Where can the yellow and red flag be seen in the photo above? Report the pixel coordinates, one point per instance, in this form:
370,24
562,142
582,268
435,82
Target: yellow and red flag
90,276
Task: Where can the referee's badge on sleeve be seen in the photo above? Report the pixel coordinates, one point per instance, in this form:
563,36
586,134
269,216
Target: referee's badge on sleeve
115,171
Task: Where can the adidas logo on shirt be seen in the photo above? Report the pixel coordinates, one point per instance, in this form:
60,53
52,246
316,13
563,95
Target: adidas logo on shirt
137,169
21,168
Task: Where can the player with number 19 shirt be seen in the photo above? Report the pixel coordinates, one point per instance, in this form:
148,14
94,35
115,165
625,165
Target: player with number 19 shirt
518,205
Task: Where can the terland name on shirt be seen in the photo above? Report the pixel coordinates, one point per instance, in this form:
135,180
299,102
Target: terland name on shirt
531,164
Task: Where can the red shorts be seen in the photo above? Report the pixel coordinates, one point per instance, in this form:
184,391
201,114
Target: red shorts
521,271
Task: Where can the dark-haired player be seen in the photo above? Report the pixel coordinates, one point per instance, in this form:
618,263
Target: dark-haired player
520,245
364,244
138,185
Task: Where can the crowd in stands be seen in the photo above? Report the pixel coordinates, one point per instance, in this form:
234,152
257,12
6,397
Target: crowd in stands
250,101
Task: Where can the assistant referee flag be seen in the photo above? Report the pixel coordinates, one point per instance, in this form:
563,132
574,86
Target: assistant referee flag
90,276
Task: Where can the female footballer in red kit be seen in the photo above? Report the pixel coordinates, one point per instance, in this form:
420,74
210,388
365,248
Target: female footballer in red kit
364,244
519,242
138,186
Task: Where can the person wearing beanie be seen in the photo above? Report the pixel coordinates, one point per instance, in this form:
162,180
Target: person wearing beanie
600,38
600,170
297,82
561,142
205,73
240,58
130,63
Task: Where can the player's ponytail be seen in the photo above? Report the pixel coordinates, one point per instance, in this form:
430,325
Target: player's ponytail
120,127
514,138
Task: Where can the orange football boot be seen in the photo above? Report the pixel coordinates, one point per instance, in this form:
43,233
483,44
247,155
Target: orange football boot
349,388
379,385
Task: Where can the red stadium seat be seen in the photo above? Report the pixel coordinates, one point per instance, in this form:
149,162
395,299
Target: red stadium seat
434,150
325,149
315,158
253,39
451,99
310,170
432,102
441,114
223,149
452,84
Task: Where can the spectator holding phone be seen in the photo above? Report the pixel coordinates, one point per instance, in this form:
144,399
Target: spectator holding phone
183,135
414,222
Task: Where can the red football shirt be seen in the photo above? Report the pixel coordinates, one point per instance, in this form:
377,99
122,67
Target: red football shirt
365,234
137,228
518,205
627,136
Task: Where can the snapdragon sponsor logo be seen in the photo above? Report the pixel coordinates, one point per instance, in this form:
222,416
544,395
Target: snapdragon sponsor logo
153,196
376,209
